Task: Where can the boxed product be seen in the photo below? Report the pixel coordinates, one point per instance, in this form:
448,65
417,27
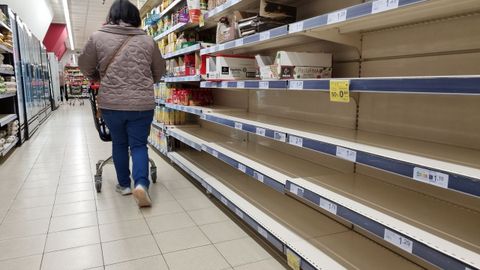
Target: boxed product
295,65
231,67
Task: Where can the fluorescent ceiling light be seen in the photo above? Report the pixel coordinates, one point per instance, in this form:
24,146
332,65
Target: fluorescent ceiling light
66,11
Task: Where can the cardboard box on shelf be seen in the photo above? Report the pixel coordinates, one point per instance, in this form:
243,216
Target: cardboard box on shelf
231,67
295,65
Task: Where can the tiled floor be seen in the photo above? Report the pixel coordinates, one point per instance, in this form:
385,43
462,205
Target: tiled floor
52,218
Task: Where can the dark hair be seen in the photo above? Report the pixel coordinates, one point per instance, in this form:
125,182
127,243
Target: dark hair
124,11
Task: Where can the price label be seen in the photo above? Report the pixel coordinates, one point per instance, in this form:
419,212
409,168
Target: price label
239,213
241,84
262,232
258,176
238,126
340,91
263,85
280,136
295,27
295,85
294,140
224,84
337,16
242,168
345,153
224,200
203,116
328,205
293,260
430,177
215,153
239,42
384,5
264,35
398,240
221,47
296,190
260,131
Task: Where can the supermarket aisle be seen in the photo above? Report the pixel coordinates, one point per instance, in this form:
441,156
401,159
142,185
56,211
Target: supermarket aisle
51,217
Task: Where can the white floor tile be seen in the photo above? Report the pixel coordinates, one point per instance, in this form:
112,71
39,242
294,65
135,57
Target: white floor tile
72,238
129,249
201,258
23,263
74,258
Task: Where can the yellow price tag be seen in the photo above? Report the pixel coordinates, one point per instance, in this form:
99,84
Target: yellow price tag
340,91
293,260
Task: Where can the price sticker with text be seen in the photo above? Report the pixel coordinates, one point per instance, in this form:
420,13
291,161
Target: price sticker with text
239,213
258,176
398,240
340,91
296,190
215,153
293,260
260,131
384,5
242,167
264,35
238,126
280,136
328,205
295,27
346,153
295,85
294,140
262,232
263,85
241,84
224,84
337,16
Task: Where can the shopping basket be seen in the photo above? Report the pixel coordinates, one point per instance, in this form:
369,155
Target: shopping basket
105,136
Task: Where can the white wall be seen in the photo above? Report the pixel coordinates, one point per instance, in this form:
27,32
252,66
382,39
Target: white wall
37,14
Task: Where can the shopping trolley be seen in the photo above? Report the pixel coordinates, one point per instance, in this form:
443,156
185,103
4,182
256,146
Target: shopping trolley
105,136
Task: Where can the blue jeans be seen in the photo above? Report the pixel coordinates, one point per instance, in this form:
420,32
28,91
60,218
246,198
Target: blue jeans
129,129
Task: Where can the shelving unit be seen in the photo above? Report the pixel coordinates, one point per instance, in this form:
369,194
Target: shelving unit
175,28
399,163
6,150
7,118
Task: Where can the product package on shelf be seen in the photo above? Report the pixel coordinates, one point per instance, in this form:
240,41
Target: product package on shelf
9,135
230,67
158,139
295,65
169,116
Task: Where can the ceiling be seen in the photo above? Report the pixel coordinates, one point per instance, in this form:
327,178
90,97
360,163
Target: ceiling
86,17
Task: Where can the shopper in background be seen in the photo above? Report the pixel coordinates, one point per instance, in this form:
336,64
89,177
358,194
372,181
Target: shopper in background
127,62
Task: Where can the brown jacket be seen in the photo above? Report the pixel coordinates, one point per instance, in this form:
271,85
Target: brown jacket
128,82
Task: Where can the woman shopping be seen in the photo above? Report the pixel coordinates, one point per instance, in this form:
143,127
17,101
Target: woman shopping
127,63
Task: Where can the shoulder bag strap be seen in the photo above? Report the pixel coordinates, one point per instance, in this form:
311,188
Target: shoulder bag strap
115,55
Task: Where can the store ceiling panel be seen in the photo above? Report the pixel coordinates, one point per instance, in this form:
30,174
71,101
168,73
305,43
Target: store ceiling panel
87,16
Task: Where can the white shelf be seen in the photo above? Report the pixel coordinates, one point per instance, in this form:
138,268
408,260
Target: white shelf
194,78
356,19
288,224
7,118
187,50
460,167
7,149
2,24
431,223
3,48
175,28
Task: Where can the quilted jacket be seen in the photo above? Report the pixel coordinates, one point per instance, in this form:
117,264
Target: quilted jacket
127,85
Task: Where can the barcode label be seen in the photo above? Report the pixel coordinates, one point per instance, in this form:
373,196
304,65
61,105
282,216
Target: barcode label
337,16
263,85
296,85
328,205
242,167
280,136
296,190
294,140
398,240
264,35
240,84
384,5
238,126
260,131
262,232
258,176
239,42
239,213
347,154
430,177
295,27
224,200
